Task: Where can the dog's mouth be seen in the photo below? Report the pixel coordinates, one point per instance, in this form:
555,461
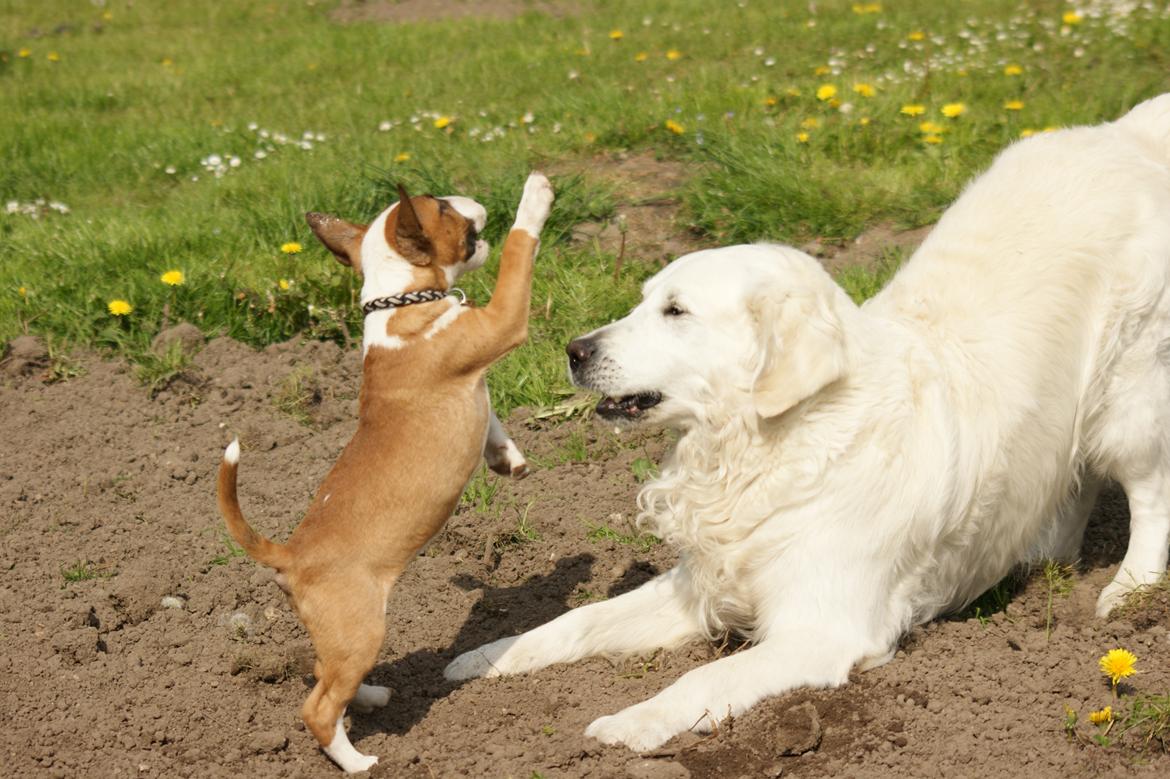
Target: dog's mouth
628,406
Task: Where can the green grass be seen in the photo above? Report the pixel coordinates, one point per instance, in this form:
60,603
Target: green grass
234,550
141,94
992,602
642,542
81,571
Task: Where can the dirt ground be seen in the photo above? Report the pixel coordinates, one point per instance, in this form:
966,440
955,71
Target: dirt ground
136,644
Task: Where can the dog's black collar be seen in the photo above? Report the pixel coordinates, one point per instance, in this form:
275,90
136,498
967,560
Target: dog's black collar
410,298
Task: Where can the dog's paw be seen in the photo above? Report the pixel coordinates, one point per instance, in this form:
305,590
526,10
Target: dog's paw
484,662
535,204
370,697
1111,597
640,728
506,460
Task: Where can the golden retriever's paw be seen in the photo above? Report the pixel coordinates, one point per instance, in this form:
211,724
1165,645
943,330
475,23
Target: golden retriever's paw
485,662
640,728
1111,597
535,204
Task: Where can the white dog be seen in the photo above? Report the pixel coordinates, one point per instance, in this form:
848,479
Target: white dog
846,473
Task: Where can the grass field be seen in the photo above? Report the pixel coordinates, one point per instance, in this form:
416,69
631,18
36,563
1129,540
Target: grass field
193,136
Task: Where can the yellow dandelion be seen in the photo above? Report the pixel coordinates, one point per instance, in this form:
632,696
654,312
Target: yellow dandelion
811,123
1027,132
1117,664
865,90
54,56
826,92
1050,129
641,56
1071,17
770,101
22,291
402,156
916,35
867,8
442,122
292,247
863,121
913,109
674,127
108,16
1014,105
934,140
674,54
822,70
802,137
284,284
1012,70
952,110
119,307
931,128
24,53
589,137
616,35
1102,716
167,62
172,278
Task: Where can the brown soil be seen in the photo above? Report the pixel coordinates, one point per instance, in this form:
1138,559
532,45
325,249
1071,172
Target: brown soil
867,249
407,11
109,508
646,190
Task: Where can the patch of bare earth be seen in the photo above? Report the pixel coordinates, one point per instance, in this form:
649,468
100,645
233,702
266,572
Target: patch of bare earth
647,224
408,11
135,643
867,249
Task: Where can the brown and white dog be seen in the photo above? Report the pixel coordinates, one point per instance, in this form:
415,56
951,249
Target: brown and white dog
424,422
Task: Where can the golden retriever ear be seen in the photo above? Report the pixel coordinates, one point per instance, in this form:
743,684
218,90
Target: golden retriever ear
802,348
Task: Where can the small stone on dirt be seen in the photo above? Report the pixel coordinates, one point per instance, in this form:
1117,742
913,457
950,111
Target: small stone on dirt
267,741
189,338
799,731
171,602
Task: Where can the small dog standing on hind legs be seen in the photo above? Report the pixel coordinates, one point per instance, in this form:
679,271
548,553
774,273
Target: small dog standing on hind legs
424,422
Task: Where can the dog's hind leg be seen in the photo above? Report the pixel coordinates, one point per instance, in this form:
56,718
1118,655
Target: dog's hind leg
1149,537
347,632
1069,532
660,613
500,451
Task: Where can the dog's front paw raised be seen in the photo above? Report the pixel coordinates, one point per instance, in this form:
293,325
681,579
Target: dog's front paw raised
535,204
641,728
483,662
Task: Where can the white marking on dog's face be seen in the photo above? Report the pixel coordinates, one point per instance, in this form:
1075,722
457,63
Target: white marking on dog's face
692,339
384,271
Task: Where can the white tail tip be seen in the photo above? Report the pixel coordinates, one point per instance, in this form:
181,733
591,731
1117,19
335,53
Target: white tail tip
232,453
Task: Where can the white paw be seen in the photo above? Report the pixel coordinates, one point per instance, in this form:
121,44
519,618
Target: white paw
1111,597
640,728
535,204
507,460
360,763
484,662
370,696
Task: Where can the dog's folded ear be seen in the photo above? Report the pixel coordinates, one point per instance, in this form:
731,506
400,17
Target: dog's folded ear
342,238
801,347
409,236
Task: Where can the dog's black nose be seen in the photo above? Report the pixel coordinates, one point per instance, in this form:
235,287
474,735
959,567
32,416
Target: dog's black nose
580,350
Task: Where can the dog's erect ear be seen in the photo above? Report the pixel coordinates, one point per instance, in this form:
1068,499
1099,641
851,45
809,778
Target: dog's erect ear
409,236
342,238
802,348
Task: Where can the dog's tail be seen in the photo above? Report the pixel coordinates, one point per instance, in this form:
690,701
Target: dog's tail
257,546
1151,121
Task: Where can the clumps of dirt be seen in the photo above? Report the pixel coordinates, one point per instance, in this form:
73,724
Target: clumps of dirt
410,11
23,356
647,224
138,640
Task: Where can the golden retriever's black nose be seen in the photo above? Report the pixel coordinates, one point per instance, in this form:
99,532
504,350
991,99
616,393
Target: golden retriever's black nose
580,350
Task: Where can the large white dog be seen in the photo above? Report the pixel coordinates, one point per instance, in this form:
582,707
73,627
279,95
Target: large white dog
845,473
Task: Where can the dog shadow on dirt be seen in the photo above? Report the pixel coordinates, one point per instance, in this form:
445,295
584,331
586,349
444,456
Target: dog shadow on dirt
416,680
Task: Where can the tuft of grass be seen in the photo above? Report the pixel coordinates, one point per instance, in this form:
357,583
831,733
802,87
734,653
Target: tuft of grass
62,365
233,550
480,493
297,394
1148,719
863,282
81,571
574,449
992,602
523,533
642,542
156,371
1058,577
643,469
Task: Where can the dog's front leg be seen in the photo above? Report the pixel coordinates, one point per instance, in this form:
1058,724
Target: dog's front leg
660,613
728,687
500,451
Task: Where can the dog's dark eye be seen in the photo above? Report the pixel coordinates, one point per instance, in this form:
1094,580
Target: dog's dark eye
673,310
471,237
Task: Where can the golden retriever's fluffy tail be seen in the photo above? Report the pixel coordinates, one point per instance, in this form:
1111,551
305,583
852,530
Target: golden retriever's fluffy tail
1151,121
257,546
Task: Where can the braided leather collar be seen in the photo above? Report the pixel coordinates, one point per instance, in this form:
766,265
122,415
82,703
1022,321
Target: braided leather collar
410,298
